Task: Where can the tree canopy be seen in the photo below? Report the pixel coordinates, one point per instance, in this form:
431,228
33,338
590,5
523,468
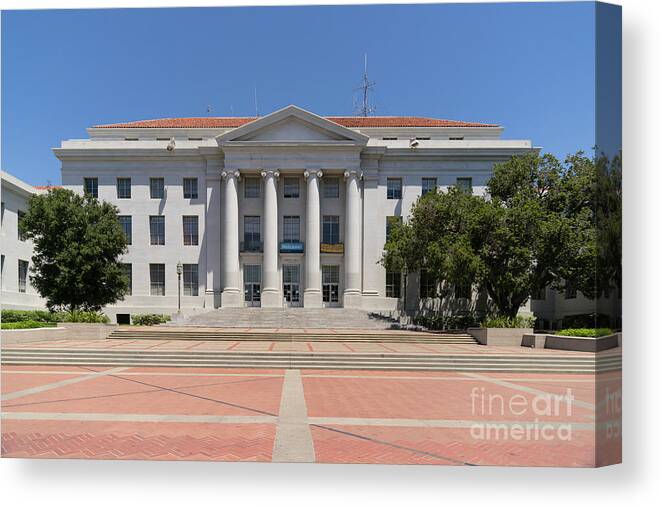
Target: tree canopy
77,243
536,228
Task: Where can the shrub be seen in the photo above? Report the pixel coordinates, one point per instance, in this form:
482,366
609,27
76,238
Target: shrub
439,321
518,321
149,319
586,331
26,324
25,315
82,317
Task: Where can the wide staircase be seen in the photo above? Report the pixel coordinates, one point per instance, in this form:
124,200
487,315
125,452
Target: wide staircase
463,362
288,318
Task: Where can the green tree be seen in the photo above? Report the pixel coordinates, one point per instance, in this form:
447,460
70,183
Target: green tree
535,229
77,244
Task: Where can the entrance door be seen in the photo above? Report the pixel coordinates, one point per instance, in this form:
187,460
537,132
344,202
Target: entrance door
252,284
330,285
291,275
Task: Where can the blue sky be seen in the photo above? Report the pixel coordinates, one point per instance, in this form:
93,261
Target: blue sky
528,67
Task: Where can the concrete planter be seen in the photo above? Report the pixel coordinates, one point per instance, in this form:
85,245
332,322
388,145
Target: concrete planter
37,334
499,336
84,331
577,343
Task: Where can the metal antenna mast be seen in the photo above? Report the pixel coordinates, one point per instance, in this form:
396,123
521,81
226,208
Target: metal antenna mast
364,109
256,108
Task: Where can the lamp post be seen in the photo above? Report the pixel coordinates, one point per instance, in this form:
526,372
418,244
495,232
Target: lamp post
180,270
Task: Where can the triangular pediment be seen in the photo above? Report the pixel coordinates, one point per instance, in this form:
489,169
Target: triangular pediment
292,125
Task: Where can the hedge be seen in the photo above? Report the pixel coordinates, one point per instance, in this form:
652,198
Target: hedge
46,316
585,331
26,324
149,319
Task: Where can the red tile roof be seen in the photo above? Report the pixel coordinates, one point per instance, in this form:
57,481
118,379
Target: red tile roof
346,121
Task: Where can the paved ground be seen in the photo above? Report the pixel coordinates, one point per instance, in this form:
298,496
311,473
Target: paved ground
304,415
291,318
299,346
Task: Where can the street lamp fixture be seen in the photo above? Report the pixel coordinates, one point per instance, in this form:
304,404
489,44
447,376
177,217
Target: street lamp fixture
180,270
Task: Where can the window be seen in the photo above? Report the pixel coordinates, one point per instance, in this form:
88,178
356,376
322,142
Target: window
252,236
291,232
156,188
251,188
427,285
331,229
91,186
393,284
191,280
157,230
21,235
390,139
194,138
163,139
2,216
127,226
190,230
423,138
157,279
394,188
190,188
123,188
128,273
22,275
463,291
428,185
331,187
292,189
130,139
2,270
465,185
457,138
570,290
390,223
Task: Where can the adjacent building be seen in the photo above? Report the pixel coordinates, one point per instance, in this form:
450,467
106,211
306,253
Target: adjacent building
16,291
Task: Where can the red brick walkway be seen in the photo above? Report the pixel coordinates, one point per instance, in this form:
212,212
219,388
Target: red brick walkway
352,416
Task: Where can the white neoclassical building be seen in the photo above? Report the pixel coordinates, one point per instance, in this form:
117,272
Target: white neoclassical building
286,209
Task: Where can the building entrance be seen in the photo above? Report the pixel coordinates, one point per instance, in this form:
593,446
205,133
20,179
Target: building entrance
291,287
252,284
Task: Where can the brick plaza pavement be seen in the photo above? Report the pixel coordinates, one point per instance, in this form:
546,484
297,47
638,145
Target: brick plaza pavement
338,416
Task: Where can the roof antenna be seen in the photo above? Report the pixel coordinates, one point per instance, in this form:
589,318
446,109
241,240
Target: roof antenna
256,108
364,109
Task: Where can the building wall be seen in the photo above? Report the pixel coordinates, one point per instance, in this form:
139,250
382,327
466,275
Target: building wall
140,207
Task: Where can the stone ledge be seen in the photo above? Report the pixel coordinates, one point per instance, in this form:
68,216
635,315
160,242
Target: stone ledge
576,343
499,336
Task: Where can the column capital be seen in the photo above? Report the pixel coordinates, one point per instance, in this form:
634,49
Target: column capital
313,173
352,173
230,174
270,172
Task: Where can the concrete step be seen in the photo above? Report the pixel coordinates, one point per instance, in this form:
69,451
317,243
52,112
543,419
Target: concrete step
364,337
557,364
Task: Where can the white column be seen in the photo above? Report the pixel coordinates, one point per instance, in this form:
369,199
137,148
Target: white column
271,297
312,294
231,296
352,246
